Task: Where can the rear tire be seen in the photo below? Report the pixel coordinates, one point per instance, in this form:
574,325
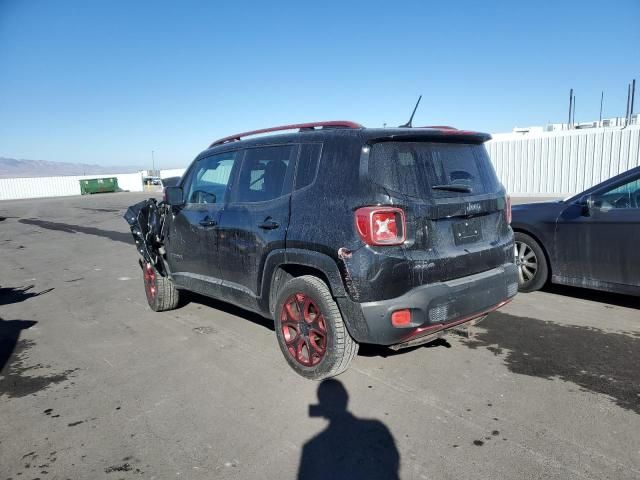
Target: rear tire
531,261
310,331
162,295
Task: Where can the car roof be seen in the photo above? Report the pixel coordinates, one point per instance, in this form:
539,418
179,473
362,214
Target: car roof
359,133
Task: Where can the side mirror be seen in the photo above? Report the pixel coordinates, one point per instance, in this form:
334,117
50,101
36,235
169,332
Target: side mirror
174,196
588,204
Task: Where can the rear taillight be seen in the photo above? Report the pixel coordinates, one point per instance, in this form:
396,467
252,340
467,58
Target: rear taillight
507,209
381,225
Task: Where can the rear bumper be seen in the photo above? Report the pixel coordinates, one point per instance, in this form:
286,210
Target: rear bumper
439,306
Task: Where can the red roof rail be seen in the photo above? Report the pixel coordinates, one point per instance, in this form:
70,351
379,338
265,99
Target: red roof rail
301,126
452,130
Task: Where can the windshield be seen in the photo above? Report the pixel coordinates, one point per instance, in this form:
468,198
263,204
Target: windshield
431,169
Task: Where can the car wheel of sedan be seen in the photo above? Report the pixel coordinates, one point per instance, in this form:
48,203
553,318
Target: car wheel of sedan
531,262
162,295
311,333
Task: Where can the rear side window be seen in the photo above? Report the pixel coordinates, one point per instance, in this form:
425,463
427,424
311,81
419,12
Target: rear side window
266,173
414,168
307,164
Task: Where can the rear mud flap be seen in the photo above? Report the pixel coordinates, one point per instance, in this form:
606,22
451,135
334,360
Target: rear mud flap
146,220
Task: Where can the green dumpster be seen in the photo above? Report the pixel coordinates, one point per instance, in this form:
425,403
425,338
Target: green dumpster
98,185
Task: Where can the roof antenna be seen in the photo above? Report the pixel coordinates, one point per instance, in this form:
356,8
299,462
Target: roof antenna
408,124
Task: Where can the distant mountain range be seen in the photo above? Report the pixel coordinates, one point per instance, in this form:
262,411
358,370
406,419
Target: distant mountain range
11,167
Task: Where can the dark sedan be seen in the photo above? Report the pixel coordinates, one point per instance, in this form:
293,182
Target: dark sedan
591,240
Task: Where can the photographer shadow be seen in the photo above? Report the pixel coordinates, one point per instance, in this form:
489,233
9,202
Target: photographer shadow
350,447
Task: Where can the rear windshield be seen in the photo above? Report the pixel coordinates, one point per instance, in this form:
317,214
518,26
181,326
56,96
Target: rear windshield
415,168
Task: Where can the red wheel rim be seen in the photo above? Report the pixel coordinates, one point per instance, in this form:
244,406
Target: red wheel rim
150,282
304,330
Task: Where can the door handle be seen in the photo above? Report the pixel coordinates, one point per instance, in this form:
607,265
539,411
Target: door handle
268,225
208,223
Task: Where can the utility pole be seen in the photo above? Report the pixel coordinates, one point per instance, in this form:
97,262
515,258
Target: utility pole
153,162
633,94
626,114
601,99
570,108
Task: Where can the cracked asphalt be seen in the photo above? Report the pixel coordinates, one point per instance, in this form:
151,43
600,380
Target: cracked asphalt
93,384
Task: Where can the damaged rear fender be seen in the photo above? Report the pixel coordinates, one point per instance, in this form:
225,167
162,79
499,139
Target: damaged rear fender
303,258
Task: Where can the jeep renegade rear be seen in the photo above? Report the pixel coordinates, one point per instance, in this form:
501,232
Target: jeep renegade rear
341,234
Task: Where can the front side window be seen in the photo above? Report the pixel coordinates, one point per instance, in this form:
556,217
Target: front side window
623,196
266,173
210,178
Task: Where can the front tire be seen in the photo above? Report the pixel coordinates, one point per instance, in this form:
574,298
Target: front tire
531,261
161,293
310,331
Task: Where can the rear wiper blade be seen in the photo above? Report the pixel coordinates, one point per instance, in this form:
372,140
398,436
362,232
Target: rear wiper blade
452,188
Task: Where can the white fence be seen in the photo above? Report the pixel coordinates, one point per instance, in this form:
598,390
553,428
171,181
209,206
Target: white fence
562,163
62,186
19,188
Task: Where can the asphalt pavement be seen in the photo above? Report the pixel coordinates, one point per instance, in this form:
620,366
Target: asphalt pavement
93,384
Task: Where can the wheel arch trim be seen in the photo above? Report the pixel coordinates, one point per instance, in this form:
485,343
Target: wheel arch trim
318,261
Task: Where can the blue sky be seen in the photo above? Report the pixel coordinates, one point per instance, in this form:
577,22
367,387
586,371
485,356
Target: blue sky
108,81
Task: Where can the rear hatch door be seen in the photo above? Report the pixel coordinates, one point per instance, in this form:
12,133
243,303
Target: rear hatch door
454,205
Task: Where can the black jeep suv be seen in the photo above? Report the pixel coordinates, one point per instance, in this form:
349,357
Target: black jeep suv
339,233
